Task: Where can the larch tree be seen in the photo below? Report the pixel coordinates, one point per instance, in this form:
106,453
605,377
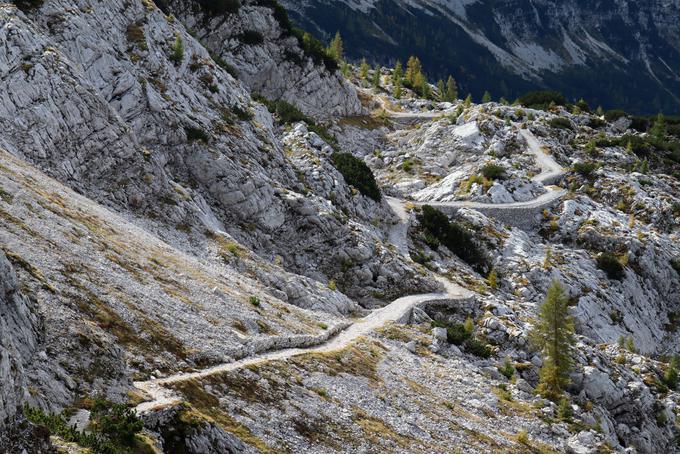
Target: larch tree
363,69
398,73
659,130
441,90
413,68
397,89
377,71
336,49
451,89
554,336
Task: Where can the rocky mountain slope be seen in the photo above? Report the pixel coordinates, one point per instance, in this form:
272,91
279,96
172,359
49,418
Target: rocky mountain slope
618,54
169,244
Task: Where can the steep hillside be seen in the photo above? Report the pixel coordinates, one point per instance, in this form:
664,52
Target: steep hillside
211,241
618,54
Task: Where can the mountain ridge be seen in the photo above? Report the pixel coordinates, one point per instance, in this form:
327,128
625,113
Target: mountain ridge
618,54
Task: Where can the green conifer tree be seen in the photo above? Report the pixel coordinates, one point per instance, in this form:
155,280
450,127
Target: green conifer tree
363,69
398,73
659,130
468,100
451,89
487,97
554,336
397,89
413,68
345,69
377,71
336,49
441,90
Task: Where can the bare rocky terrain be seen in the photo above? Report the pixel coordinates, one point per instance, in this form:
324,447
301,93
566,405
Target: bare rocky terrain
170,244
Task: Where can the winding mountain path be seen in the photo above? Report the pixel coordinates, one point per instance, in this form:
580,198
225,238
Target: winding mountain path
396,310
161,396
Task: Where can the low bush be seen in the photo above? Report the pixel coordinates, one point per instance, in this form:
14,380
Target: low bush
455,237
177,50
478,348
613,115
113,427
251,37
357,173
288,113
610,264
675,263
542,99
27,5
596,123
216,7
507,369
585,169
457,334
194,134
560,123
493,171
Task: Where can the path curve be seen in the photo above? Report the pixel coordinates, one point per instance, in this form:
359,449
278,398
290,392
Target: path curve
161,396
551,172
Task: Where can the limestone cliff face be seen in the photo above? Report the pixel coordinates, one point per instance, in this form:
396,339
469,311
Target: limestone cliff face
271,63
19,336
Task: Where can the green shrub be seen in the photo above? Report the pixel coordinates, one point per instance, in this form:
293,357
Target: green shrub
493,171
613,115
585,168
507,369
560,123
455,237
610,264
596,123
357,173
671,378
177,50
254,301
640,124
194,134
288,113
583,105
113,427
407,165
564,410
28,5
116,422
241,113
477,348
216,7
457,334
251,37
675,263
542,99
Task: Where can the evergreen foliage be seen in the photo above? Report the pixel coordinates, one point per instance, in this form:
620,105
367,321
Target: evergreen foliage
610,264
357,173
554,336
336,49
455,237
363,69
377,71
177,50
451,90
113,427
542,99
